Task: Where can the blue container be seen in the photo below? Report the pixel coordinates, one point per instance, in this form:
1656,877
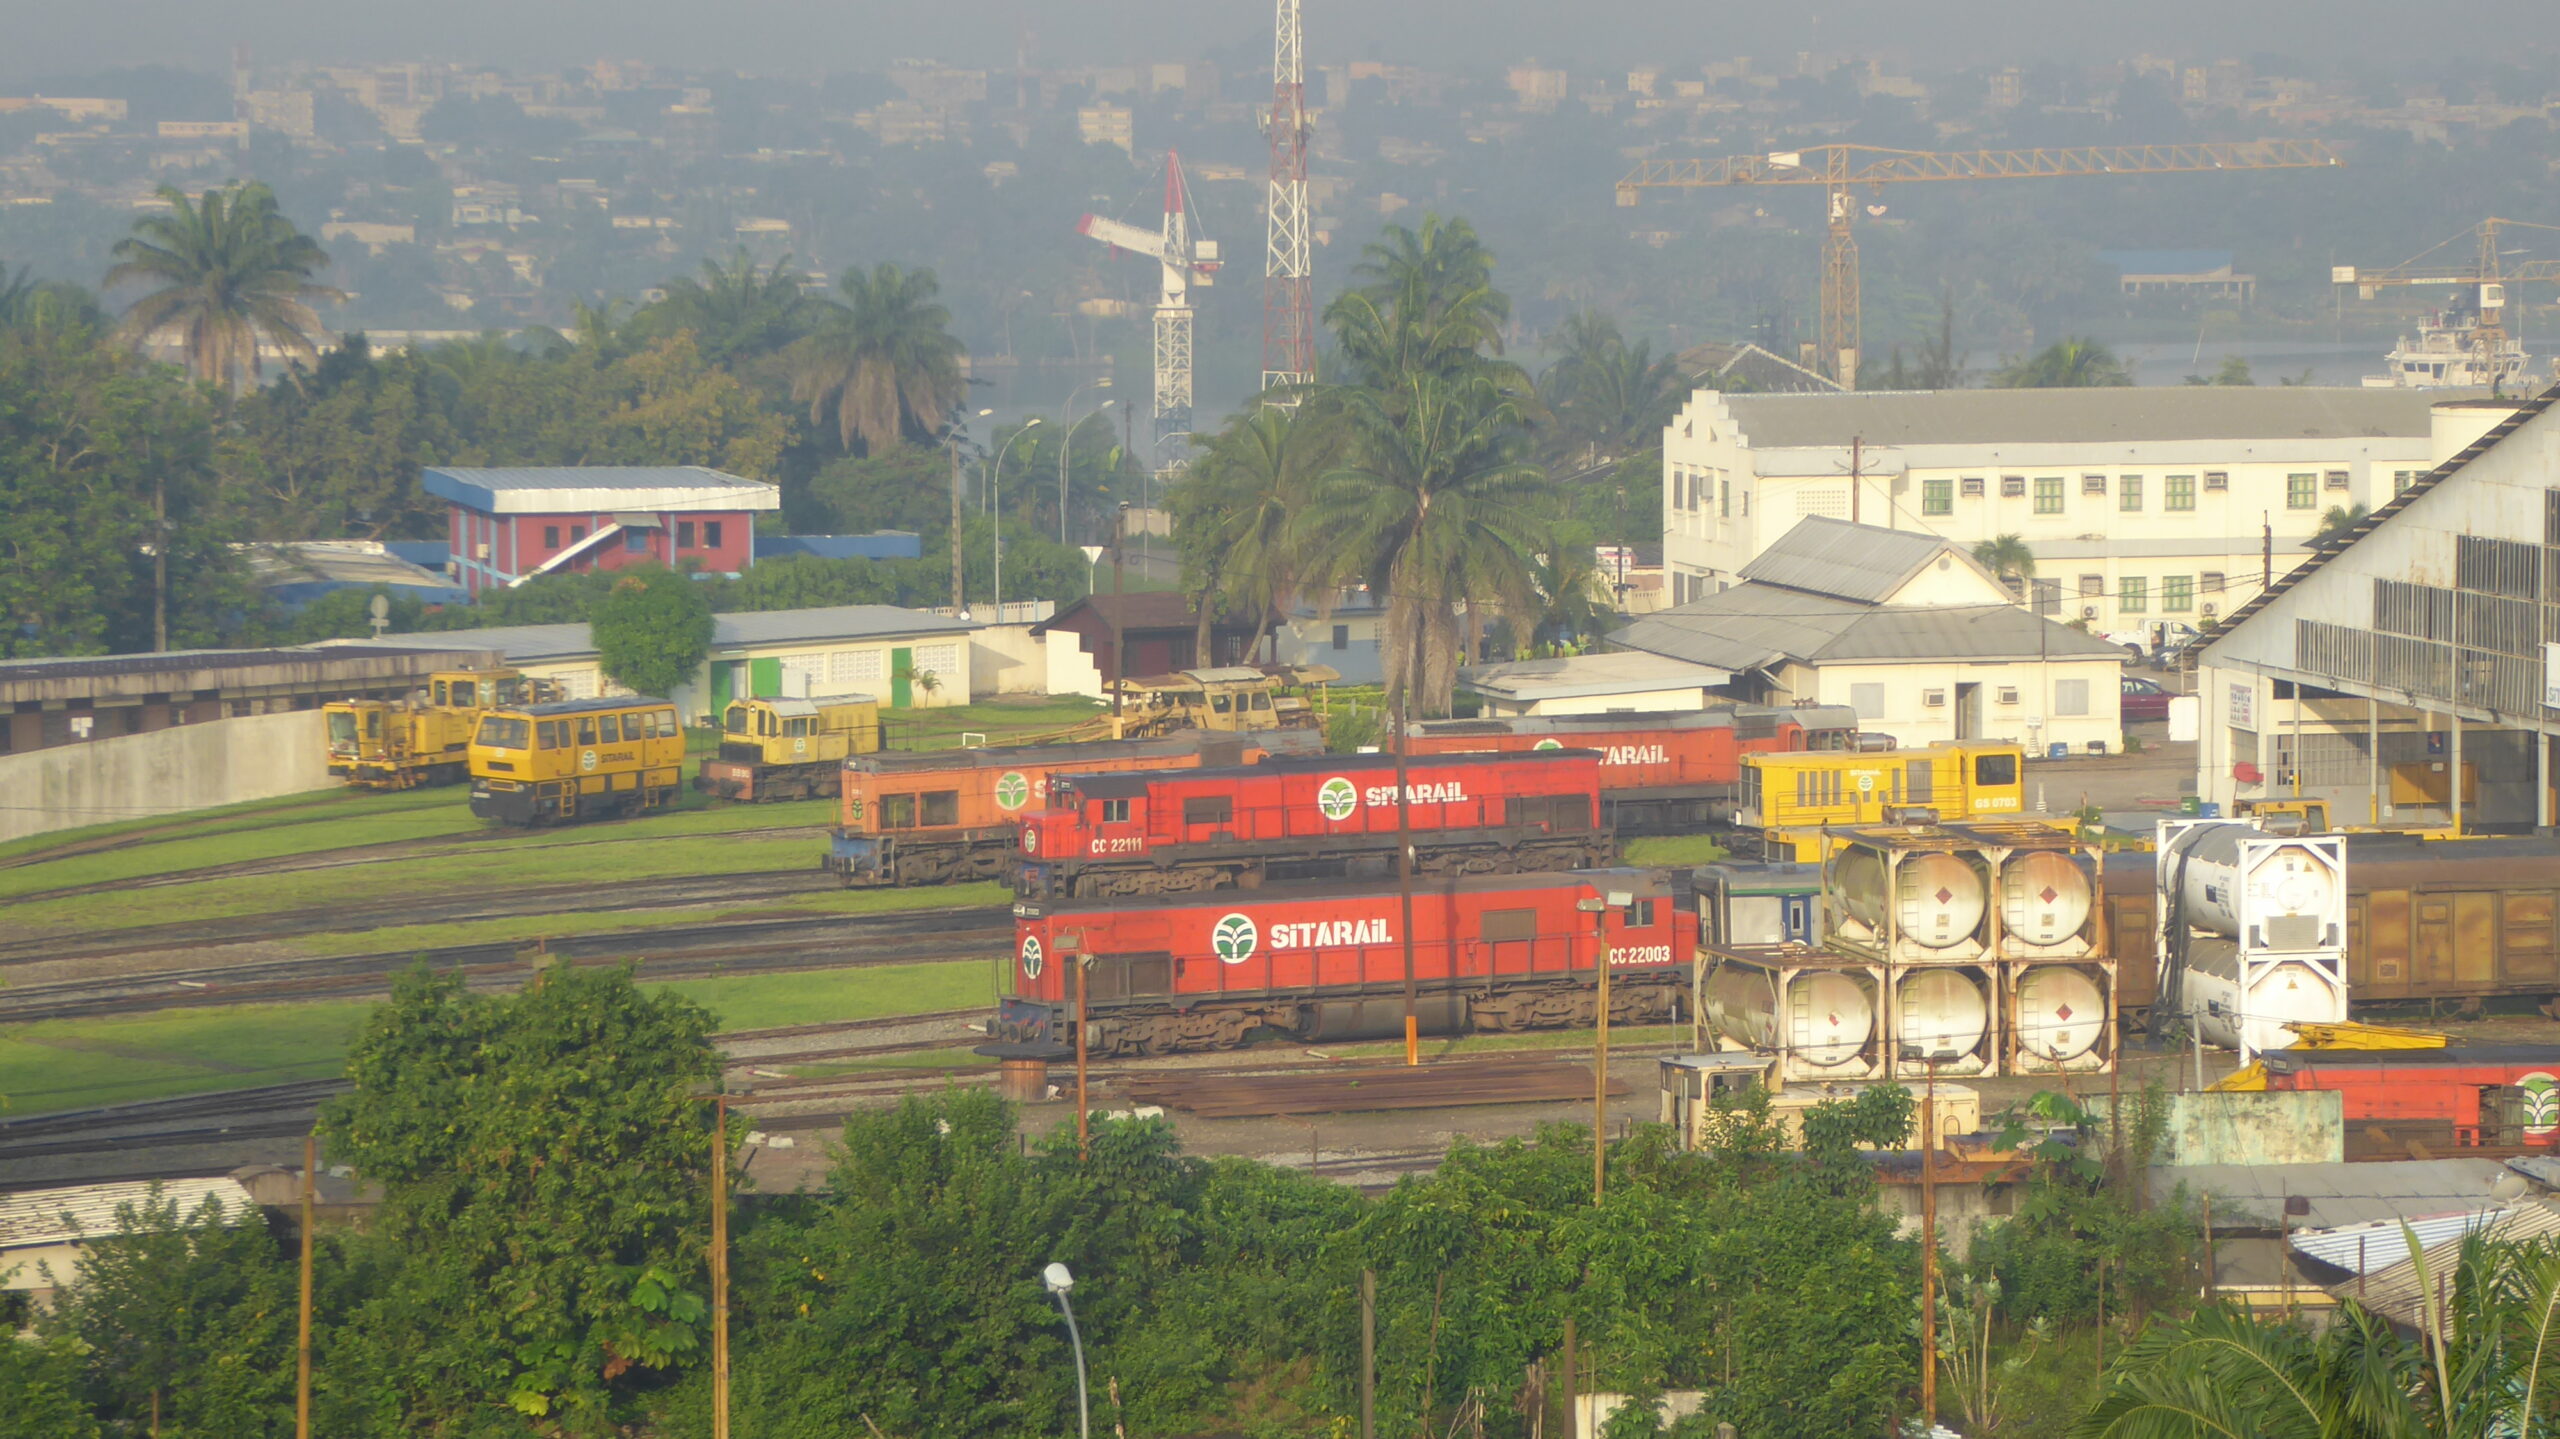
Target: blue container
2208,810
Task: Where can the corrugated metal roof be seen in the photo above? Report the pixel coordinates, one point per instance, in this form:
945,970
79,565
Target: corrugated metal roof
1632,672
2381,1243
1978,632
2393,1290
2339,1194
55,1216
528,644
1752,625
595,477
1850,561
2083,416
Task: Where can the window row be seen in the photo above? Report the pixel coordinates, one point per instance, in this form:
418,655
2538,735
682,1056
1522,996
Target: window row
2177,492
636,540
2070,698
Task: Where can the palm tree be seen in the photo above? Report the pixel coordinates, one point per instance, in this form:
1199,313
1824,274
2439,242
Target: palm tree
598,333
2064,365
1575,596
736,309
1424,302
2339,520
44,306
2484,1363
1241,506
885,359
2008,557
1433,509
227,269
1610,396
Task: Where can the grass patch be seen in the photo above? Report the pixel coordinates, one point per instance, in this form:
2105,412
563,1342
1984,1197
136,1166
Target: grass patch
1674,851
1008,722
482,869
1459,1046
75,1063
772,1001
530,927
232,846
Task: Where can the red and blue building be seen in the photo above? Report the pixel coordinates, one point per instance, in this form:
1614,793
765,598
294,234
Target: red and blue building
507,526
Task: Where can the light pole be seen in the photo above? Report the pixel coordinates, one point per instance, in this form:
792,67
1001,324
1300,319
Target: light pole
1598,908
959,435
1059,1281
1067,449
995,488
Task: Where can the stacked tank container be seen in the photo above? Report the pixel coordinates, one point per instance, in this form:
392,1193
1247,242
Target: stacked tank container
2253,930
2057,976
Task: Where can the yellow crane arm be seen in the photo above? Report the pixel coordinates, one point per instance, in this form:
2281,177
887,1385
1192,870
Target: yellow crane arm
1841,165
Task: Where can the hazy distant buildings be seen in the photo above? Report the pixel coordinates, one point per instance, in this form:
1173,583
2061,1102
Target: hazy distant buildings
287,112
1107,124
1537,86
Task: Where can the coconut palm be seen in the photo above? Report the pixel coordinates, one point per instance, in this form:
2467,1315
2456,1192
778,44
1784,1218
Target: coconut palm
734,310
45,306
226,270
884,359
1433,508
1423,303
1576,599
1240,511
2339,520
2008,557
2064,365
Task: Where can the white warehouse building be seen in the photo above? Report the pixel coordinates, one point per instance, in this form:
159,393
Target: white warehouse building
2142,507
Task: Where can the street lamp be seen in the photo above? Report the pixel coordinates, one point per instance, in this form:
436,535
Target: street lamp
1066,453
1058,1282
995,497
1598,908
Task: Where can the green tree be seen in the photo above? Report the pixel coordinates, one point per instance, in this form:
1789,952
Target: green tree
1238,515
2234,371
2064,364
735,311
652,629
544,1165
2339,519
1433,508
40,1392
336,449
1609,397
884,360
186,1320
1575,598
1424,303
45,305
226,270
2008,557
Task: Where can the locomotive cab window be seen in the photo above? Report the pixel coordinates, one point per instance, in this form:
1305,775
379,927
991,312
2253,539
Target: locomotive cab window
941,807
586,731
1261,701
608,729
552,734
465,694
441,691
802,726
897,811
1209,809
372,724
504,732
1995,769
1639,915
1220,703
1115,811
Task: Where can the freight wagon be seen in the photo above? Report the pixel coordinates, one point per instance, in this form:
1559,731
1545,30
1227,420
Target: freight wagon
1670,773
1322,817
1325,962
936,816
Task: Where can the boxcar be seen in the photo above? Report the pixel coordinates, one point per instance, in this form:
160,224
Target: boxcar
1326,962
579,759
1322,817
1660,773
934,816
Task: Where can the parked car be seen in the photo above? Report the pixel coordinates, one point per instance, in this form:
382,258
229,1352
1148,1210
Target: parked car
2144,700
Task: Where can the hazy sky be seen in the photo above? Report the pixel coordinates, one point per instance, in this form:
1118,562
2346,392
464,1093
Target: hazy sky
812,36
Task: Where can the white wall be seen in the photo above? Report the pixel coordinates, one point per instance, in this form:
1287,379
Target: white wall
167,771
1007,660
1691,697
1906,714
1308,640
1070,671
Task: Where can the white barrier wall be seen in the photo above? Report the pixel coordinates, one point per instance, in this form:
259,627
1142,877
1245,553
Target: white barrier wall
167,771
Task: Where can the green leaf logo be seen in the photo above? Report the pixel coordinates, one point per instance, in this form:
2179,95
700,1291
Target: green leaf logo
2541,1102
1548,744
1031,956
1012,790
1337,800
1234,938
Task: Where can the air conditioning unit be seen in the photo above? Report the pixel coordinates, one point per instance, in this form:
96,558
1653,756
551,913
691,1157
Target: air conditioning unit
2088,612
2211,610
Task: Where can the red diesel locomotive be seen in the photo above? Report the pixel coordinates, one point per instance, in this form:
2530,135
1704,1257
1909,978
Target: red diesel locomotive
1673,773
1319,817
1321,962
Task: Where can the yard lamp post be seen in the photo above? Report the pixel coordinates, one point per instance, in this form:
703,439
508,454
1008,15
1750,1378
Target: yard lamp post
1058,1281
1067,448
1598,908
995,487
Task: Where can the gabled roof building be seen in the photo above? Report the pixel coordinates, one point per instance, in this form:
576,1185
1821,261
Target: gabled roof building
506,526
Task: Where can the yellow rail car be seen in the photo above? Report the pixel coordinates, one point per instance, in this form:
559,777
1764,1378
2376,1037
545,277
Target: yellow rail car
1789,798
580,759
789,749
425,738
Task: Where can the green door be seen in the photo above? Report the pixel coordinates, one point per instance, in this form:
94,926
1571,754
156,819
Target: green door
902,683
764,678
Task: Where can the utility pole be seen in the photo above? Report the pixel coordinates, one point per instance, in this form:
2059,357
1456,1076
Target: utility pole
1857,480
1404,864
1368,1354
720,1266
1084,1110
160,565
1600,1057
302,1336
1119,655
1929,1252
957,599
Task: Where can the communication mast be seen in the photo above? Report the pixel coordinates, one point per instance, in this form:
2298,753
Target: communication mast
1288,296
1185,262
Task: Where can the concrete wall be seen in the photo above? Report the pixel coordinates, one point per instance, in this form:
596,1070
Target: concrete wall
1006,660
1070,671
2277,1127
164,772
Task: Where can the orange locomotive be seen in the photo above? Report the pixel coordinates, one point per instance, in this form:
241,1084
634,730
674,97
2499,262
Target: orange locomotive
935,816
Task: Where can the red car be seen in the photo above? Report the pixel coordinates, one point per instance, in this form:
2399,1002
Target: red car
2144,700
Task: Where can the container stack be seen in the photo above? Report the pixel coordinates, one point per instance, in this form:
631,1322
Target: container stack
1962,950
2253,931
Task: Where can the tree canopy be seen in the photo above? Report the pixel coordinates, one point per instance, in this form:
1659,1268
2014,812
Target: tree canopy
652,629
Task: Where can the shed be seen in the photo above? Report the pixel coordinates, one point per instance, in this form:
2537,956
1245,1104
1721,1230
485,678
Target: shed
44,1232
1159,629
1626,682
508,525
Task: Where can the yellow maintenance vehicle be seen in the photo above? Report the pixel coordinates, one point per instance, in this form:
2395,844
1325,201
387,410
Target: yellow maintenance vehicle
1229,699
789,748
425,738
1790,798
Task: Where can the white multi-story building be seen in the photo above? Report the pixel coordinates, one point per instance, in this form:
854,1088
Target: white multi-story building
2139,505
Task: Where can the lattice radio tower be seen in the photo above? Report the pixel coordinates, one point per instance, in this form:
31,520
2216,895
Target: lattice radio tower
1288,299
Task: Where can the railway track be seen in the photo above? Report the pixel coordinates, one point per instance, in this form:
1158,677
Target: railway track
459,908
671,952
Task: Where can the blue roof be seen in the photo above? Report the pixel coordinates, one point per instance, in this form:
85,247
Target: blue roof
2166,262
880,545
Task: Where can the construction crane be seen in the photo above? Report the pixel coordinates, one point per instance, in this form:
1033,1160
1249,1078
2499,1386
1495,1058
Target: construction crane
1288,272
1185,262
2491,357
1841,169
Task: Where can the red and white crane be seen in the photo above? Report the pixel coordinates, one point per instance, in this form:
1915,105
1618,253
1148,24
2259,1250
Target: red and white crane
1185,262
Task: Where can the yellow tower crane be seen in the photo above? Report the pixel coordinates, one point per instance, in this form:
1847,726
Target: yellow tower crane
2490,360
1840,169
